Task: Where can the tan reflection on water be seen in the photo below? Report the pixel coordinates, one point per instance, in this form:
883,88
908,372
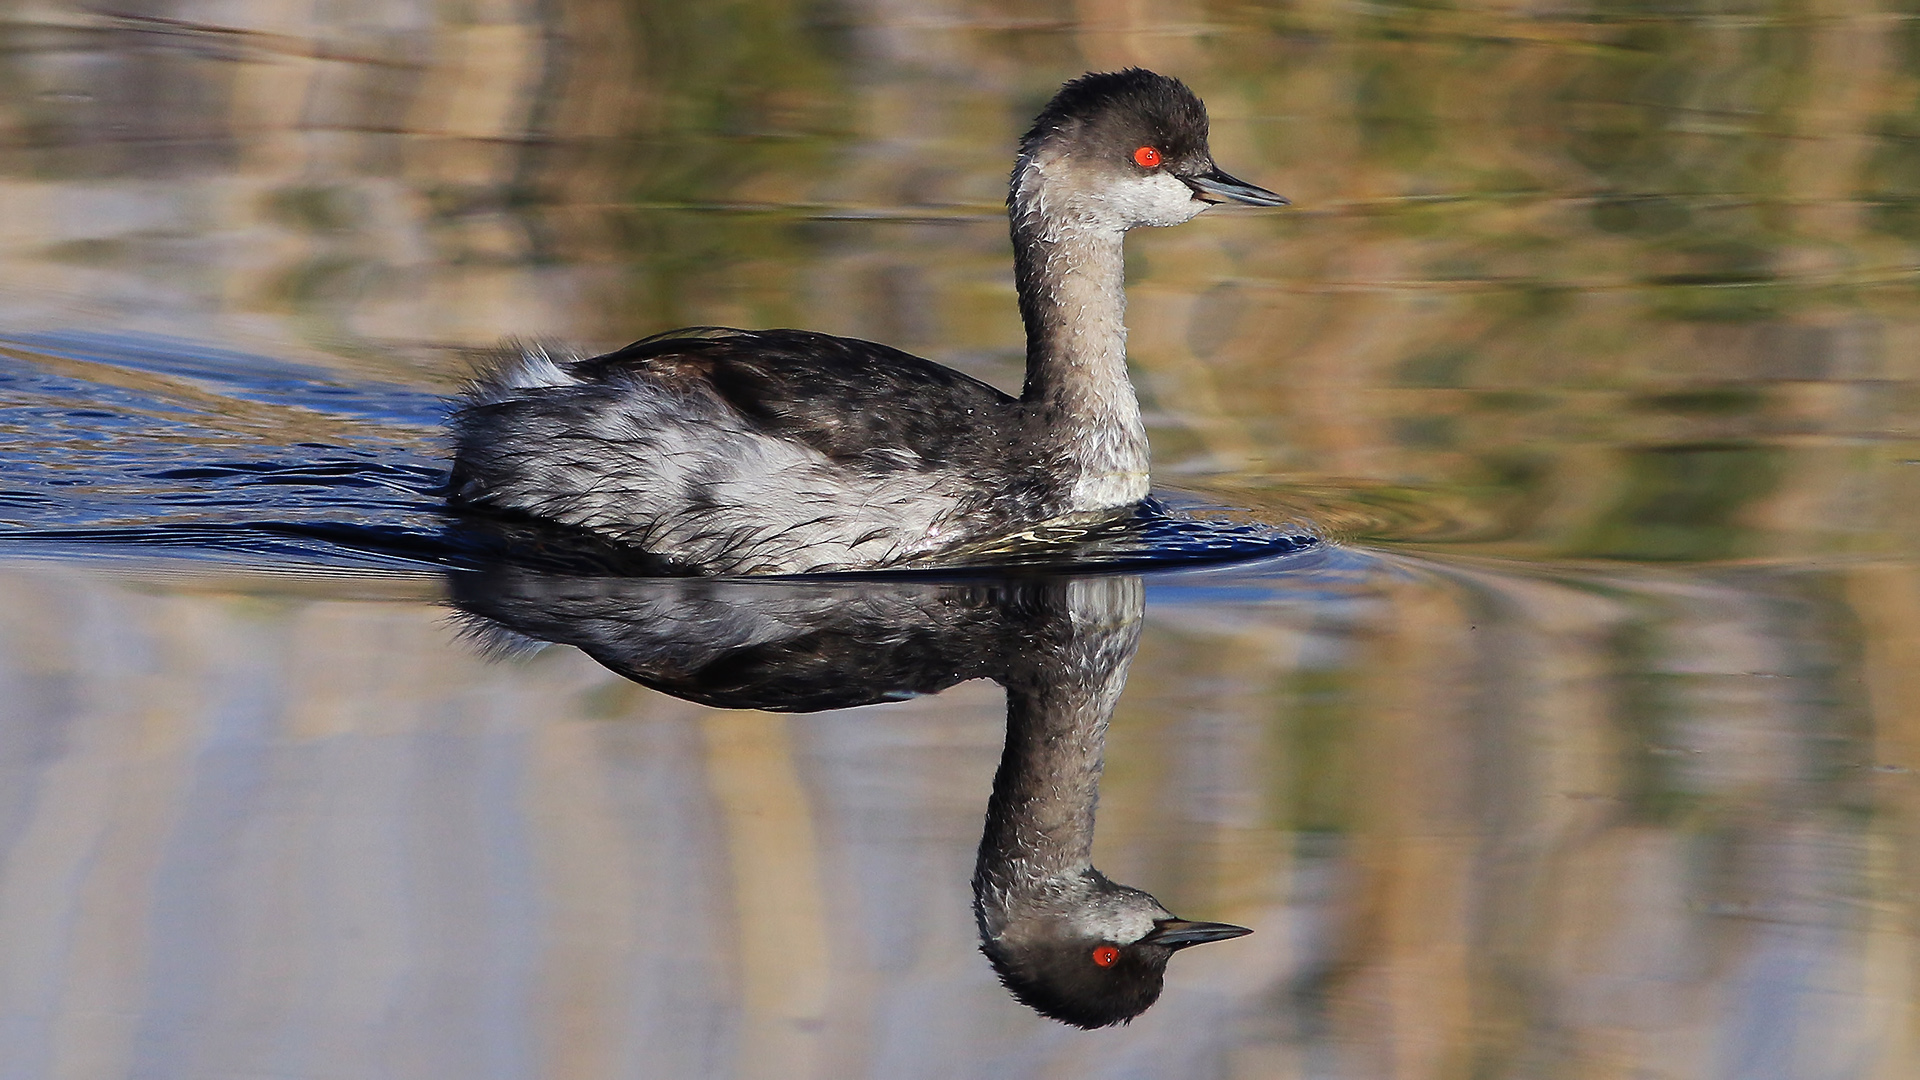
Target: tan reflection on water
786,935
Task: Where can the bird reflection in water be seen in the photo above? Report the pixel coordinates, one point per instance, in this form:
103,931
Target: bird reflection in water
1064,939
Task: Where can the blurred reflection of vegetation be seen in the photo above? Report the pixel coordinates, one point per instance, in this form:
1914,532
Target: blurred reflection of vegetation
1661,200
1892,181
753,97
1317,754
1682,502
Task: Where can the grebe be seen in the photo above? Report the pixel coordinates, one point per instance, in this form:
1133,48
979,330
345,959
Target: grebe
784,451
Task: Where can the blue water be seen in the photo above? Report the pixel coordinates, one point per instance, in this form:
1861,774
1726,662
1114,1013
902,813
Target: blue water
132,446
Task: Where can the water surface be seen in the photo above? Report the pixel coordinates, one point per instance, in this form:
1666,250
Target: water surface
1583,746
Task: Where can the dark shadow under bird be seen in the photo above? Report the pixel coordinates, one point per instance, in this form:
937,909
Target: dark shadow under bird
736,452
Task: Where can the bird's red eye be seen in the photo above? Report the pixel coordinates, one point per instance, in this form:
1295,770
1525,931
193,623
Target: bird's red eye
1107,955
1146,157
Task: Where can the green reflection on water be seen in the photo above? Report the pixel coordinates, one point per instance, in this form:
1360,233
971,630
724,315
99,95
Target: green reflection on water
1318,758
1684,502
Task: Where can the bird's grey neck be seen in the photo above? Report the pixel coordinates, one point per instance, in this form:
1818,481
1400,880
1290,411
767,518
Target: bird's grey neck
1070,269
1037,850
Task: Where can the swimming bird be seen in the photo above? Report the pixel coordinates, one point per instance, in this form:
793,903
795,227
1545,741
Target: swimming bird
744,452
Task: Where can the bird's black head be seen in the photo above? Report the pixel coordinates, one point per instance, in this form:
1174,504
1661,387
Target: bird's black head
1128,148
1121,112
1091,982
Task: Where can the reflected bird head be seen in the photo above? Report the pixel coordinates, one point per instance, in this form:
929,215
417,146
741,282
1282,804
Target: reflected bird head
1098,960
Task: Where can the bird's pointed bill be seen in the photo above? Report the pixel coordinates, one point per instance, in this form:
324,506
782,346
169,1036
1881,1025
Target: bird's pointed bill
1180,933
1214,185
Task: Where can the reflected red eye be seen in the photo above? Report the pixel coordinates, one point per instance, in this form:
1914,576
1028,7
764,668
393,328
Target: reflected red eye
1146,157
1107,955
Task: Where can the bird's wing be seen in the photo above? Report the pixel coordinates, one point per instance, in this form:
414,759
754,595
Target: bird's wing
852,400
